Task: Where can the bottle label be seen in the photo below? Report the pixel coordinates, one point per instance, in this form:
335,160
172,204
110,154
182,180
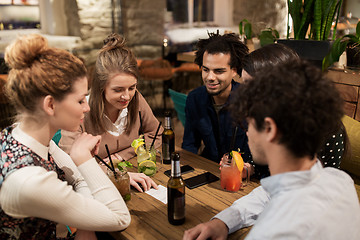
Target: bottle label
176,203
179,208
166,151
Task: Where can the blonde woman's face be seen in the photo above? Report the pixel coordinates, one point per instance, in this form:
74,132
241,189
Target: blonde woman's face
119,91
70,112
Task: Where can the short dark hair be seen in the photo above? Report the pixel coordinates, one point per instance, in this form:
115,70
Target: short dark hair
304,104
268,57
227,43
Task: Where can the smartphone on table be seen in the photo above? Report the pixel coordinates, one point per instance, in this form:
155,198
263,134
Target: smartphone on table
184,169
200,180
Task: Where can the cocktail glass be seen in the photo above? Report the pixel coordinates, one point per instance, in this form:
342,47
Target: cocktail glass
149,160
230,176
121,181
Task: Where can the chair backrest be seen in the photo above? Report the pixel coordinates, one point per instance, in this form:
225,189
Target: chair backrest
155,69
351,161
179,100
57,136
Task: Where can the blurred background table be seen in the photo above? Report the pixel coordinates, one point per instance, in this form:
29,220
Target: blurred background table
149,216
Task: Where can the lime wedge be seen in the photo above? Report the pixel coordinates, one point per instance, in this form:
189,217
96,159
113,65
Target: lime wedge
147,167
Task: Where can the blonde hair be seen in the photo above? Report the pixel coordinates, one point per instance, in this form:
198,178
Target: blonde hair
38,70
114,58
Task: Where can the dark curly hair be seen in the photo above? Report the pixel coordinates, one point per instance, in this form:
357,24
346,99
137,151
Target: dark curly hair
227,43
304,104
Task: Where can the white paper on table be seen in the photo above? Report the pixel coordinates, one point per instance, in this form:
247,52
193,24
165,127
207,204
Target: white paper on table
160,194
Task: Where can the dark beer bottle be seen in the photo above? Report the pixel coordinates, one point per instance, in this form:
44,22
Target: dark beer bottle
168,140
176,193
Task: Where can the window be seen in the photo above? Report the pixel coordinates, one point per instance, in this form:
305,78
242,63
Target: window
19,14
200,12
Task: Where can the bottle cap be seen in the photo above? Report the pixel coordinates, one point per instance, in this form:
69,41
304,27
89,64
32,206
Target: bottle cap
175,156
168,114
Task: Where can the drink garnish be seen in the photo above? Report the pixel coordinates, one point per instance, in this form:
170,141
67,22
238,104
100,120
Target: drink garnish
147,167
238,160
138,142
124,164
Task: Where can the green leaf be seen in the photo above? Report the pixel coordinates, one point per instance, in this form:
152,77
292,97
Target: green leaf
306,19
336,50
248,30
331,12
124,164
358,30
316,25
245,28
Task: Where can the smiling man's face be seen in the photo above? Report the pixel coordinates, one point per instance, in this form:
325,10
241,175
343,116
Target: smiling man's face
216,73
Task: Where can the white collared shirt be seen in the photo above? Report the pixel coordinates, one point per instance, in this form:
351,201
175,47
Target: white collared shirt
320,203
118,127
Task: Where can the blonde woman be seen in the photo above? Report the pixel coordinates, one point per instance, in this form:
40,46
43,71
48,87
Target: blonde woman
115,105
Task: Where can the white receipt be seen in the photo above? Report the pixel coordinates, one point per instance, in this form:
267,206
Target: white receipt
160,194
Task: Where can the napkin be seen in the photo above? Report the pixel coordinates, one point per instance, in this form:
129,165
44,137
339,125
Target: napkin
160,194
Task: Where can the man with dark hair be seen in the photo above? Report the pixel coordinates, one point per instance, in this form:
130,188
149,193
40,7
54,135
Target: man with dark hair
207,117
288,122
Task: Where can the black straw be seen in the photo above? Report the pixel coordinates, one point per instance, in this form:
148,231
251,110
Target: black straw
141,131
157,131
107,165
108,152
232,143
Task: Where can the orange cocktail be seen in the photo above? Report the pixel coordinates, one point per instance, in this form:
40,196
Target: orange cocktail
230,176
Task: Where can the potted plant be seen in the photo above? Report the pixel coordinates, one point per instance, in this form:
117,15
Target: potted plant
266,36
350,43
312,23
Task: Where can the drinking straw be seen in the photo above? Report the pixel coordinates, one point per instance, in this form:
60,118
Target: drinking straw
68,228
157,131
108,152
107,165
141,126
232,143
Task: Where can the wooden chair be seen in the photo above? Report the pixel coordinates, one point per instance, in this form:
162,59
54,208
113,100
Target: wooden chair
184,72
157,70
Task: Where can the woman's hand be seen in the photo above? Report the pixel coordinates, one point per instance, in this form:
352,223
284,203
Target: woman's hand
145,181
84,147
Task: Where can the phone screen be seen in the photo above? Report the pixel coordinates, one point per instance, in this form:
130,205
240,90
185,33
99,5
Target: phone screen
200,180
184,169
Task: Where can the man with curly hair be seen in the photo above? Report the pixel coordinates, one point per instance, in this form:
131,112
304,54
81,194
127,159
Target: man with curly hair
288,122
207,117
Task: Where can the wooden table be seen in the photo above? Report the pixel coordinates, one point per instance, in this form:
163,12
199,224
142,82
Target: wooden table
186,56
149,216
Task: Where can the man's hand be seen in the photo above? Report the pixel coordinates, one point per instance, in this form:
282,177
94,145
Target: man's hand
214,229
